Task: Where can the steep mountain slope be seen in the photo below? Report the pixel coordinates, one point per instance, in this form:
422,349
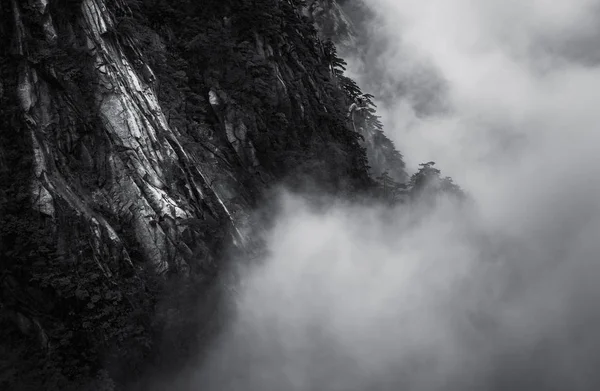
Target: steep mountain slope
136,137
342,22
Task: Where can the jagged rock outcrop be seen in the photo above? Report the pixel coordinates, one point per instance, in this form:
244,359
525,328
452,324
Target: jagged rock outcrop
113,129
103,150
135,139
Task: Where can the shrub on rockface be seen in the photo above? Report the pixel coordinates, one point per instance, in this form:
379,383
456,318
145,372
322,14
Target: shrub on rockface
427,182
424,186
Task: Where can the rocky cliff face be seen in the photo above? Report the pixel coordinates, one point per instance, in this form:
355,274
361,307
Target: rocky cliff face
103,153
137,136
331,19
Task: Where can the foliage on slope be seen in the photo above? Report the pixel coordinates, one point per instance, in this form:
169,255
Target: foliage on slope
265,56
339,29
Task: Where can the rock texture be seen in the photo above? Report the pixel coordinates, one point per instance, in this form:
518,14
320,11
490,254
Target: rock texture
104,150
136,137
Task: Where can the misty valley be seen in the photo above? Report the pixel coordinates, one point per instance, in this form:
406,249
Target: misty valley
332,195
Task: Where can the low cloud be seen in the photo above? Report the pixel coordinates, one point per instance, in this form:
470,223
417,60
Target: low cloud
500,294
364,297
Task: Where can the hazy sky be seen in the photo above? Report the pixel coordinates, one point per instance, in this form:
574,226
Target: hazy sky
502,295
